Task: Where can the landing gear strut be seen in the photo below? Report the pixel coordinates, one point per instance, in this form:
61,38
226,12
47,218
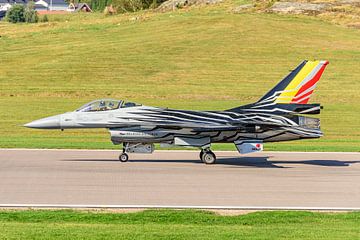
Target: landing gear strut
123,156
207,156
201,154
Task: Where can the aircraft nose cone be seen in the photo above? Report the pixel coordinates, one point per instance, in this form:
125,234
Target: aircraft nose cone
45,123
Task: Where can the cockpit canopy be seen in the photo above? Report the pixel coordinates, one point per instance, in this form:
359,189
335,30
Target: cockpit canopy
105,105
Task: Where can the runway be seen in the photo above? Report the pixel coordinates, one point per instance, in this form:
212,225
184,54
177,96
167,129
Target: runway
177,178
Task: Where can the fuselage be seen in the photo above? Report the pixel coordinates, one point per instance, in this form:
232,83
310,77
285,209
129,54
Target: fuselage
160,125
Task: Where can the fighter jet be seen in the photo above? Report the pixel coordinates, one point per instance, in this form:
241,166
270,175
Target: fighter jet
277,116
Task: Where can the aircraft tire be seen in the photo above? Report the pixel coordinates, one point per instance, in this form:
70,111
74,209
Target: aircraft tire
201,155
208,157
123,157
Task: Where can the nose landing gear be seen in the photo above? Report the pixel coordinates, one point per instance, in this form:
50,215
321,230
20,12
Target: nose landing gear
123,157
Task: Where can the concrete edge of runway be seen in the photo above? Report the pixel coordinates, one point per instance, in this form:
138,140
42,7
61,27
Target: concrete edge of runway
157,150
130,207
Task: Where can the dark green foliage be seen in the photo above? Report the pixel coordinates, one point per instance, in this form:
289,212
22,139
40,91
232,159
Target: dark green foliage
125,5
16,14
99,5
20,13
135,5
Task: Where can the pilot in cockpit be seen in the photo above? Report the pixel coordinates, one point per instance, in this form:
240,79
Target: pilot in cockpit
111,106
102,106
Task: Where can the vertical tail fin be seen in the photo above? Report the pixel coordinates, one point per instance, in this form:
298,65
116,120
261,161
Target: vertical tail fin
298,86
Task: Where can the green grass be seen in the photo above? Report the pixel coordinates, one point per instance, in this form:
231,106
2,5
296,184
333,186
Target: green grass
172,224
199,58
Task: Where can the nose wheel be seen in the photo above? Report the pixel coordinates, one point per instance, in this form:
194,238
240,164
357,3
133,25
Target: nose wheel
123,157
207,156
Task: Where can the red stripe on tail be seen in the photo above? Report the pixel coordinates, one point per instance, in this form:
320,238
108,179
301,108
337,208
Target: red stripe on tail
309,84
306,97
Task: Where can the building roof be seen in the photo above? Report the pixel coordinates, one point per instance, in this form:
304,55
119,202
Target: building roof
41,3
81,6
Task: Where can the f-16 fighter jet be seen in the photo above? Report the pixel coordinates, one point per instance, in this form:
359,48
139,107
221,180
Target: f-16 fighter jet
275,117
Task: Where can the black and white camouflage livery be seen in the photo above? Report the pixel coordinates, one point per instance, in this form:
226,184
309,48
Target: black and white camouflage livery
138,127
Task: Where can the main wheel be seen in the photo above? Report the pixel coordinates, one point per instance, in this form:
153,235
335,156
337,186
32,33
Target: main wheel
123,157
208,157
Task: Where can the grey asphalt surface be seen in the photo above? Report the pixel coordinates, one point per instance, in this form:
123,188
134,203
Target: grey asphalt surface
268,179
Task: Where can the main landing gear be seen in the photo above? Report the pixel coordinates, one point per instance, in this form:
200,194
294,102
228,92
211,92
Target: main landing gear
207,156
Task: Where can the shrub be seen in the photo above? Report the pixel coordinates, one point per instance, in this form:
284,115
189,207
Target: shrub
31,16
16,14
99,5
128,5
45,18
124,5
20,13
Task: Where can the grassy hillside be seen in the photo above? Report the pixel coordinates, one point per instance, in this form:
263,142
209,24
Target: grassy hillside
197,58
166,224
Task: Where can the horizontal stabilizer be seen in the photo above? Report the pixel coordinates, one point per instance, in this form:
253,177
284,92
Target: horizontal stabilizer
280,109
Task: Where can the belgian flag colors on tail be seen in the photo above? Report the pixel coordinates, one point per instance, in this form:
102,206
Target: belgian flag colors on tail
297,87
